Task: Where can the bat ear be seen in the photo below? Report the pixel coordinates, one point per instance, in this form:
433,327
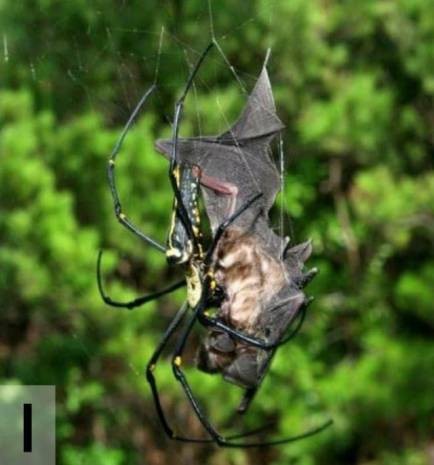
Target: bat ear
300,252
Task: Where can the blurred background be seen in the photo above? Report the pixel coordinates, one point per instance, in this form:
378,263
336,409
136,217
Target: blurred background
354,84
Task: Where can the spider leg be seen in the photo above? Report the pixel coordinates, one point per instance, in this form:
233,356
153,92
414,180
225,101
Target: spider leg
150,368
254,341
174,166
122,218
139,300
217,438
177,319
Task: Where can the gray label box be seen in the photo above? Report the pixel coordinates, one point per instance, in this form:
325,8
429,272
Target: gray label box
27,425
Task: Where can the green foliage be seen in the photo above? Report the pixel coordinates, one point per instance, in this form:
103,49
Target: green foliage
354,83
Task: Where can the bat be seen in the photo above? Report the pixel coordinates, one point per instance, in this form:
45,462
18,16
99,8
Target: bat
261,276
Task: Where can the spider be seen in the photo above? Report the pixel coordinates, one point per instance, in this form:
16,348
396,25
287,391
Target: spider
243,331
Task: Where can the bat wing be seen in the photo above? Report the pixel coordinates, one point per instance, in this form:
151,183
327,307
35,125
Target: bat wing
240,157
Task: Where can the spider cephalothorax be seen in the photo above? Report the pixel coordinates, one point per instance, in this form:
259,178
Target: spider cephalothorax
245,287
184,240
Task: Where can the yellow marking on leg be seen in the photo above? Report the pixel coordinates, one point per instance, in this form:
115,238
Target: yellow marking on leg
200,254
172,252
111,162
176,174
152,367
122,216
172,224
178,361
194,285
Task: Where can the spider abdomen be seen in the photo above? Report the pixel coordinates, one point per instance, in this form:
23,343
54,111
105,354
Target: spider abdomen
180,241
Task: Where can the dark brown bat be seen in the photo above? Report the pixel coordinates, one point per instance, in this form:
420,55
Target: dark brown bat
263,296
261,277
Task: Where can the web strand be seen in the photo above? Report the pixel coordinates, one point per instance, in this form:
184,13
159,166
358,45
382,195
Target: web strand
160,47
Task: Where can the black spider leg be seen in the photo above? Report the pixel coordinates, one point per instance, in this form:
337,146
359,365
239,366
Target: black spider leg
174,324
150,368
139,300
218,439
122,218
207,320
179,108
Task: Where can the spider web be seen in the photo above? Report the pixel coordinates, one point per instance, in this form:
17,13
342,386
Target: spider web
163,47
